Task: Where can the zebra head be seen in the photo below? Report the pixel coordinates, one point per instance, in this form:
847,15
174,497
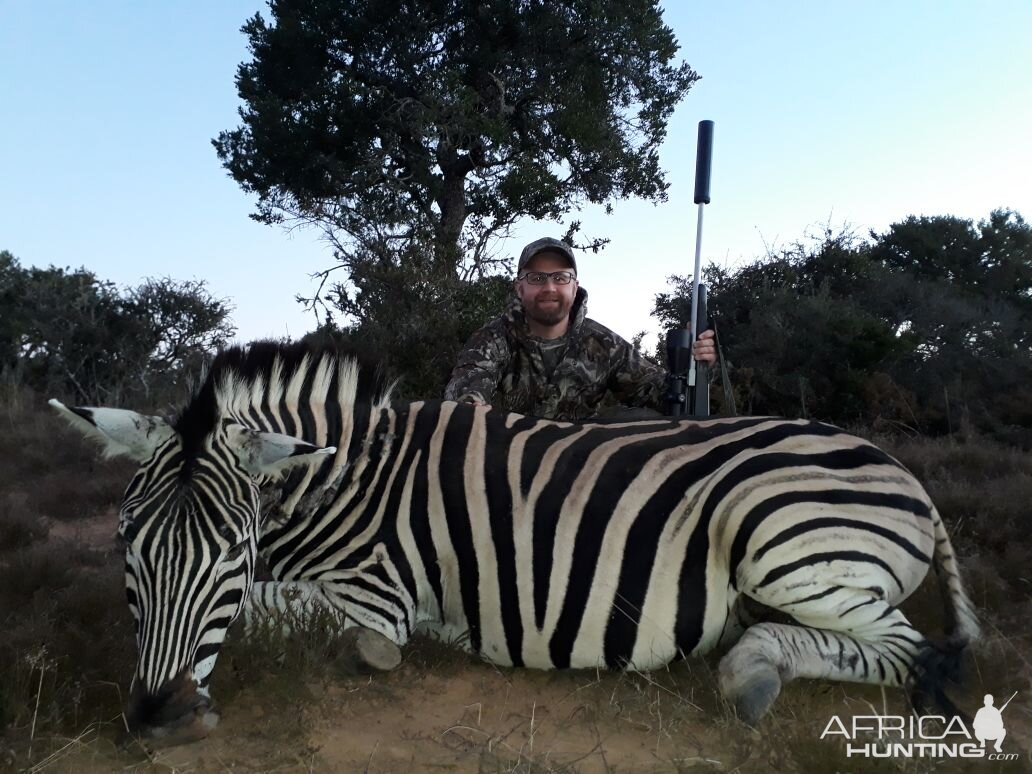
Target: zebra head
190,525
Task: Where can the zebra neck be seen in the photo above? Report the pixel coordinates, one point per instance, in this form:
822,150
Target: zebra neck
344,484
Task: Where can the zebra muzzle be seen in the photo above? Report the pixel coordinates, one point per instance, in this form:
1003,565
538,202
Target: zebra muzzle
175,714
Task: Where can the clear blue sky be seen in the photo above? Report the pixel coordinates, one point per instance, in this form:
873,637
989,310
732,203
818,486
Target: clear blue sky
854,113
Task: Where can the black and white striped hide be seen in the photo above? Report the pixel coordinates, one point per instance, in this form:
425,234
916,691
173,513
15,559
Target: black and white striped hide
533,543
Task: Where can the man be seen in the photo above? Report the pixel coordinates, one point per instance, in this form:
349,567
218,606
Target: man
544,357
988,723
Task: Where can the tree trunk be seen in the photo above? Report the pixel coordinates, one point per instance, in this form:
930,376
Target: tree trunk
452,201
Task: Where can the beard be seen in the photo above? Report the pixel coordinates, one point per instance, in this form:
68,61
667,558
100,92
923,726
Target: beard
542,311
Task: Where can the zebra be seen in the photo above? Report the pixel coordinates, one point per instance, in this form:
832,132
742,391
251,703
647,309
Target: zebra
535,543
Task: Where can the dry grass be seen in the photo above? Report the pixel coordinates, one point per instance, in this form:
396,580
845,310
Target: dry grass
19,527
66,650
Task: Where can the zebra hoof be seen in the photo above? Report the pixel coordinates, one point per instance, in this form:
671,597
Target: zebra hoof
751,685
368,651
756,698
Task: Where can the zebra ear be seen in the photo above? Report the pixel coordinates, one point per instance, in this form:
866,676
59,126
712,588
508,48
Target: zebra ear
270,454
122,433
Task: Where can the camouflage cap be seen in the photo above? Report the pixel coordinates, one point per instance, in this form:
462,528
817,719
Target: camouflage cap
546,244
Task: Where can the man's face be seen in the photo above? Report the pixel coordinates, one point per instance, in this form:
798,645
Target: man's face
550,303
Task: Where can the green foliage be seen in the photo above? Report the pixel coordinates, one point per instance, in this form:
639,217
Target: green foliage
412,322
12,321
969,310
414,134
927,326
445,122
68,332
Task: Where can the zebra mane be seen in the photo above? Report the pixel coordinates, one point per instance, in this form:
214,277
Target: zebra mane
274,372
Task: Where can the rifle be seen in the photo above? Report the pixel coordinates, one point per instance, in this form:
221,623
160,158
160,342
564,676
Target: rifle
688,381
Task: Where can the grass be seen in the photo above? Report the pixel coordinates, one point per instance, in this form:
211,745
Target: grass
67,651
19,527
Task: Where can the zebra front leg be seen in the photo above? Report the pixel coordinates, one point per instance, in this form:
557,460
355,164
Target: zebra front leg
861,639
295,604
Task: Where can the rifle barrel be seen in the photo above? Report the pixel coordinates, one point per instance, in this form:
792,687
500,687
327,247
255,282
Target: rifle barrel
703,166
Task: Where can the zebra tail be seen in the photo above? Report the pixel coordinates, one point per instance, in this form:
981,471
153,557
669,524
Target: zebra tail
962,626
935,667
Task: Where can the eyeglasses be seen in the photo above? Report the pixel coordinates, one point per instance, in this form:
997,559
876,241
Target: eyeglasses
541,277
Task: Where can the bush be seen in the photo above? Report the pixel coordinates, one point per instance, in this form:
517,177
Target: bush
925,328
18,527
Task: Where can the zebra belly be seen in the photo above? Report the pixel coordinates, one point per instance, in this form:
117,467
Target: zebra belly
449,634
652,651
652,640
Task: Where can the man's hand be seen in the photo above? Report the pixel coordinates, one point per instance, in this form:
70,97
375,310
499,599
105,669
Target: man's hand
705,349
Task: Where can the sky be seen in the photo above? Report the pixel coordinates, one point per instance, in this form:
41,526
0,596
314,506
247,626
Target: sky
848,114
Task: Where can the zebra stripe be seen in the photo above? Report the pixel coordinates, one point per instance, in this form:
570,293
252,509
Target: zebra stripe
539,543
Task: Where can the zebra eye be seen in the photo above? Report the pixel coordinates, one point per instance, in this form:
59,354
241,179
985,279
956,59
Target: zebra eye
125,533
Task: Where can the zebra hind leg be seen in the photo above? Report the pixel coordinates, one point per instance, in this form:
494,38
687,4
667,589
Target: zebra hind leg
935,667
866,641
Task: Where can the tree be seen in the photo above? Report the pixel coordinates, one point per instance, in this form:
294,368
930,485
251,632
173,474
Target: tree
928,325
443,122
799,329
66,331
12,289
414,326
181,319
969,308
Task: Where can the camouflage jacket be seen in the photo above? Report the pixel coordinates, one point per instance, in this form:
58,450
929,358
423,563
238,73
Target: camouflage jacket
504,365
